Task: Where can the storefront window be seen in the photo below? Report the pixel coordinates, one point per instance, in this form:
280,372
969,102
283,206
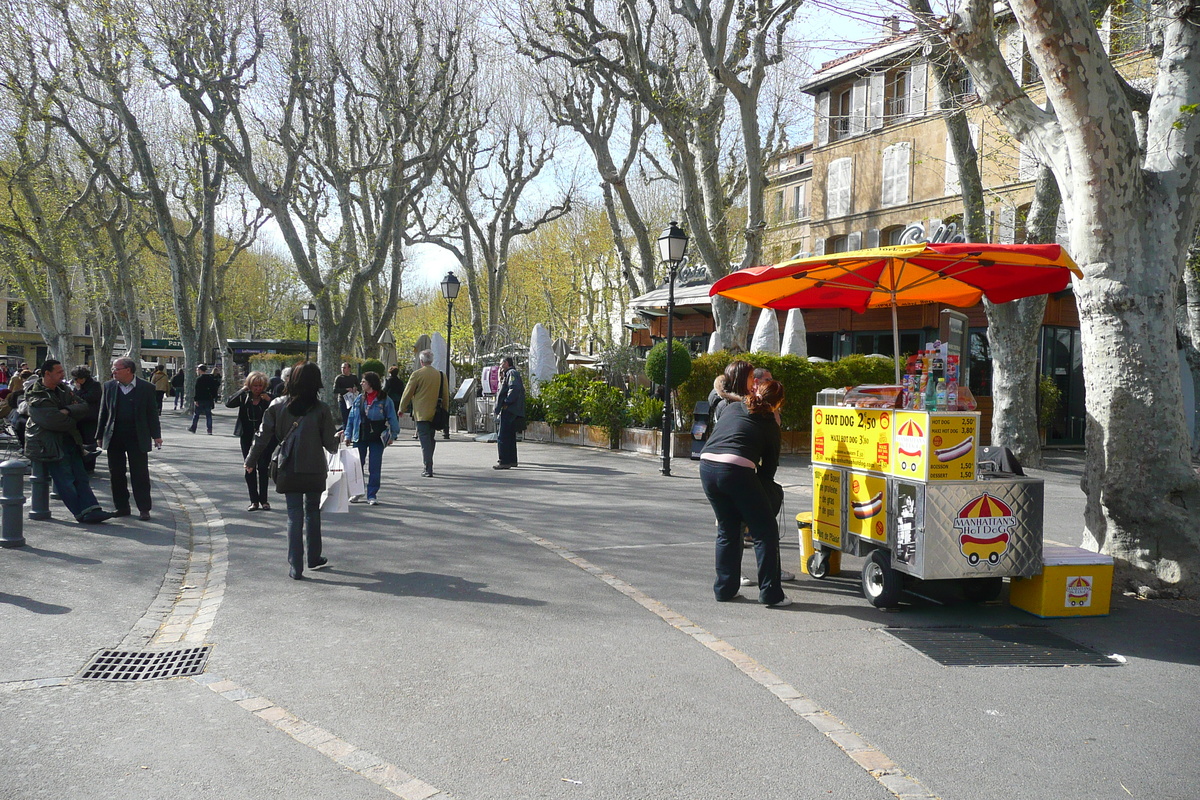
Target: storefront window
980,380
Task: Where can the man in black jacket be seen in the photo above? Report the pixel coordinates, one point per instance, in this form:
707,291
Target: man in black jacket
128,424
205,396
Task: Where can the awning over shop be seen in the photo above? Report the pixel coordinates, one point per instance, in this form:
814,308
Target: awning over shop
688,300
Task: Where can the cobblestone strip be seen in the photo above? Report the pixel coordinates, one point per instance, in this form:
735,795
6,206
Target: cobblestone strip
359,761
875,762
194,585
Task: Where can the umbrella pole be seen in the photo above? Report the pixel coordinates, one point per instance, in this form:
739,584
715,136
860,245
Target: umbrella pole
895,321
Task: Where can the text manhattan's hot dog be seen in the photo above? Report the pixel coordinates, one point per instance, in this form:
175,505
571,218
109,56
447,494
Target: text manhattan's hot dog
957,451
868,509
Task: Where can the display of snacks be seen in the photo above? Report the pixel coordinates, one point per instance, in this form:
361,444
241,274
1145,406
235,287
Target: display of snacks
873,396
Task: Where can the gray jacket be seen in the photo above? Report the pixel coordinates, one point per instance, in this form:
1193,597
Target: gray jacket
318,441
511,397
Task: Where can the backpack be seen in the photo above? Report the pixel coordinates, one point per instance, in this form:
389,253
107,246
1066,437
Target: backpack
283,462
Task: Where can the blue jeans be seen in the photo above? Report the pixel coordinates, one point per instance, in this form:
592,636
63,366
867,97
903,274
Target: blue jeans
736,496
371,456
71,481
304,511
425,433
204,407
506,438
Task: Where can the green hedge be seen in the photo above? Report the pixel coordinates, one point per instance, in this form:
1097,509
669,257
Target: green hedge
801,380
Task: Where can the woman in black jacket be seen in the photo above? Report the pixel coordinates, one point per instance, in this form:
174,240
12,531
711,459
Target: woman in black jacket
251,401
304,428
89,390
737,471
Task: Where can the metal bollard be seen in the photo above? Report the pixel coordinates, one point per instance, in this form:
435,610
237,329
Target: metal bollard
39,493
12,498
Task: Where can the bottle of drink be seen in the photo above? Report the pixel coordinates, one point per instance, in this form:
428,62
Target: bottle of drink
952,395
940,394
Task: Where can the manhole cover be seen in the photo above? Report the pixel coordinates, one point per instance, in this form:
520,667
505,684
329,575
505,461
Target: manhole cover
146,665
998,647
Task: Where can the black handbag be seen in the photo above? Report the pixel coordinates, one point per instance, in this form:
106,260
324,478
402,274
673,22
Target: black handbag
441,417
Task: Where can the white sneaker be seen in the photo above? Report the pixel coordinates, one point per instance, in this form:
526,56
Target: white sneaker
784,603
372,502
358,498
784,575
746,581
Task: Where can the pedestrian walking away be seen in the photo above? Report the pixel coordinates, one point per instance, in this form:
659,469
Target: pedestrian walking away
162,384
510,414
275,387
128,426
177,388
53,440
343,385
426,388
88,390
252,401
393,387
208,390
371,426
305,430
737,472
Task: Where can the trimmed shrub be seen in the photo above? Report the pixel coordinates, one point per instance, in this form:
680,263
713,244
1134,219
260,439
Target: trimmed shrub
681,363
373,365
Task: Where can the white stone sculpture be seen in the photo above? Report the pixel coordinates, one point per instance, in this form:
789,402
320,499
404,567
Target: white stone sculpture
795,342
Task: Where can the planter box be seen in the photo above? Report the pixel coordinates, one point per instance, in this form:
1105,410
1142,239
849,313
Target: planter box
634,440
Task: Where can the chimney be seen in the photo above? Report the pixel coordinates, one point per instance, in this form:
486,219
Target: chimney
891,26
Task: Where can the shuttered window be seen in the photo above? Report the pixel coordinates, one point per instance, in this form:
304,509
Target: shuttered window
837,187
896,161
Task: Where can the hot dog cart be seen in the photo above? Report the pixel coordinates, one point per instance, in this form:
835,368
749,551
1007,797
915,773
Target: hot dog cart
903,488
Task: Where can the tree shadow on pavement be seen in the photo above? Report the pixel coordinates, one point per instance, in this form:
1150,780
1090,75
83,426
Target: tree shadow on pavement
36,606
431,584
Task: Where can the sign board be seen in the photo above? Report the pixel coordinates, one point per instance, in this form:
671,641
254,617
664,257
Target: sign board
162,344
466,388
860,438
866,510
827,506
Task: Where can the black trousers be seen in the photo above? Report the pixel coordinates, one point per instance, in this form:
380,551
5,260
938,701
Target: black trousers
737,496
256,482
123,451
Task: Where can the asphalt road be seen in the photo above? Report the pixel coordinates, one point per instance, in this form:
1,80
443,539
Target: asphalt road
545,632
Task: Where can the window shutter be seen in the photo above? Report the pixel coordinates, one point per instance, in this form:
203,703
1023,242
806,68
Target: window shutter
1006,233
818,247
821,123
875,118
953,184
895,174
837,188
854,241
872,238
916,90
1027,164
858,107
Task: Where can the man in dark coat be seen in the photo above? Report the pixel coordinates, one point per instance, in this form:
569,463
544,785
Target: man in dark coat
88,390
510,413
53,440
128,425
205,396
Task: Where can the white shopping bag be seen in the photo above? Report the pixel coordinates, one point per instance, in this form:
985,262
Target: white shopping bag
354,471
336,499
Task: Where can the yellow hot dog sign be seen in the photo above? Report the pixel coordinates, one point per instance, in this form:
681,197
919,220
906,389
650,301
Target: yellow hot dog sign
906,444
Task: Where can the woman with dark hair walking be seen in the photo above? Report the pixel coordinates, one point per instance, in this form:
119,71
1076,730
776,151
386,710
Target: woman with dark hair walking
371,426
252,401
304,429
737,471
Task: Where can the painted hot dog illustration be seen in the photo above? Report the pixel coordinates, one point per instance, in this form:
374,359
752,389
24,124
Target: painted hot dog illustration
868,509
957,451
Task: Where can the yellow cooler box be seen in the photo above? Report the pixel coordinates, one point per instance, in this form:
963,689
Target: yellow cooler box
1074,583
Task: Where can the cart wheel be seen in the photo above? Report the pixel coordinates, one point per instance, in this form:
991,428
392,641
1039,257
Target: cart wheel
982,590
818,564
881,584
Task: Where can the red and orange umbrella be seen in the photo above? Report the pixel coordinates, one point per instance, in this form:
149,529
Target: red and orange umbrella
955,274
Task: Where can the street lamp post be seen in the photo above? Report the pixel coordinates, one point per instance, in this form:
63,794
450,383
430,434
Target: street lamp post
310,316
450,287
672,244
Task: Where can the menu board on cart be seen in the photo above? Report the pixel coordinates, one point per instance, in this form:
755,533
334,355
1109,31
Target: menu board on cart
827,506
867,511
859,438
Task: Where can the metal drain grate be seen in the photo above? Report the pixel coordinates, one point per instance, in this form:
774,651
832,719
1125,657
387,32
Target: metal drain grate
146,665
998,647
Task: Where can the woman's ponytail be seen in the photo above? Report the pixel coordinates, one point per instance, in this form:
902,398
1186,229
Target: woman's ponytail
765,398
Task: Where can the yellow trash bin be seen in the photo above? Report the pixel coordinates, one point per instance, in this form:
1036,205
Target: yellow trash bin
804,526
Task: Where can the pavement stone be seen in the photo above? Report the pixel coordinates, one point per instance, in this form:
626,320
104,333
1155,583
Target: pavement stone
501,635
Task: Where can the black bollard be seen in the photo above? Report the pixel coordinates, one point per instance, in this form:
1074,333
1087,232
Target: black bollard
12,499
39,493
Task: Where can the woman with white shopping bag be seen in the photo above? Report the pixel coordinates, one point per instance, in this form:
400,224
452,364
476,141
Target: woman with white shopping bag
371,426
304,428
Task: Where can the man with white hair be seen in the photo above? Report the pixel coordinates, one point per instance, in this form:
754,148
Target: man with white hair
128,425
425,388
